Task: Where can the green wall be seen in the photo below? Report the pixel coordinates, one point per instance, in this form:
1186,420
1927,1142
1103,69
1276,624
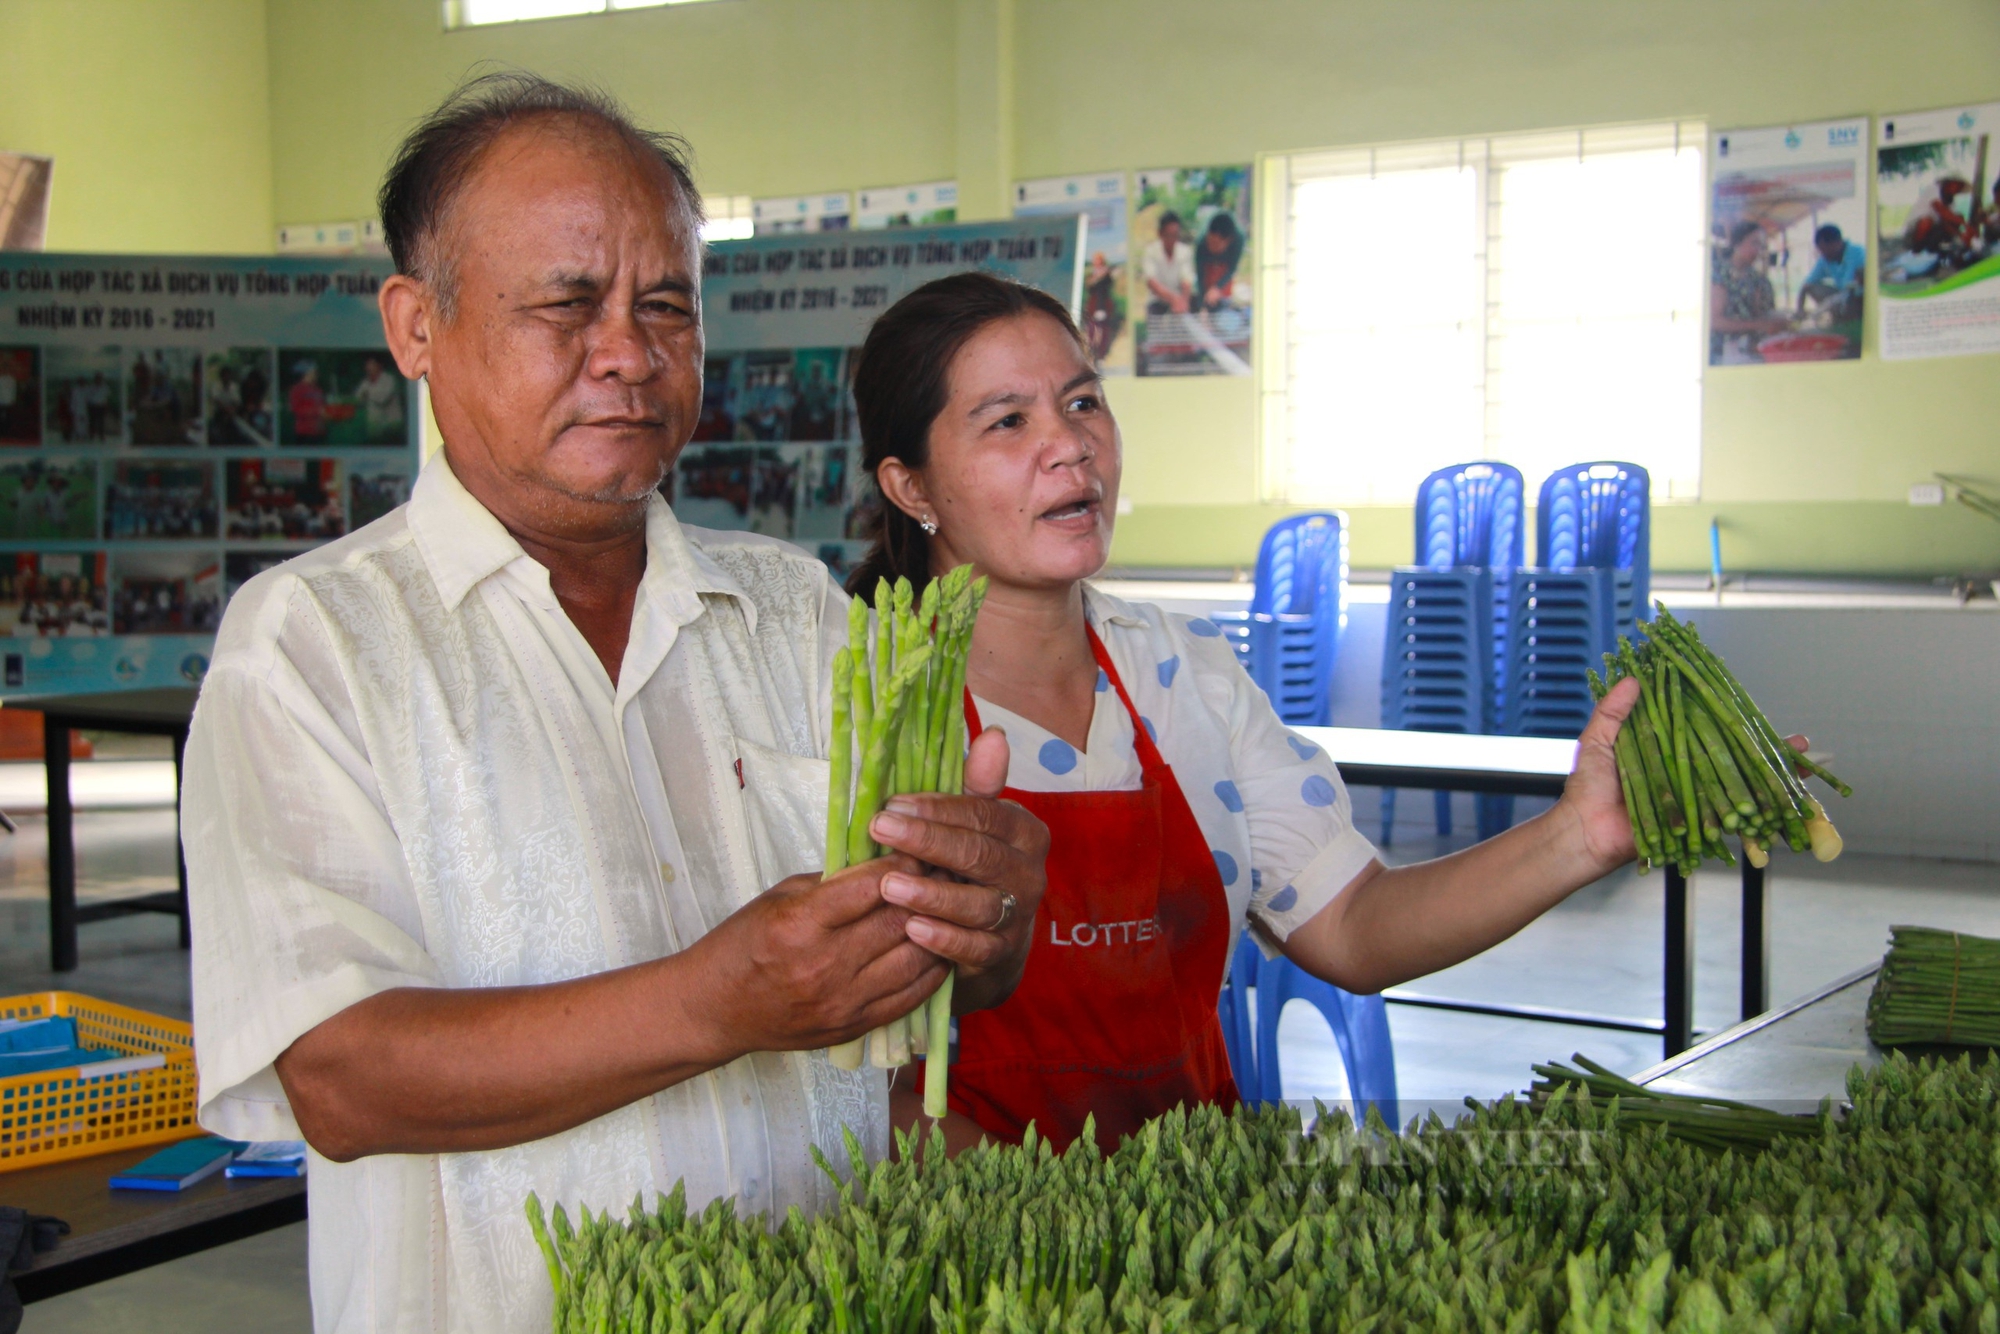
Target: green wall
184,124
157,113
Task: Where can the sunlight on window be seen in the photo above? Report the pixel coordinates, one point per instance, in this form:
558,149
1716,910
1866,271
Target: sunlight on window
477,13
1595,321
1539,302
730,218
1385,331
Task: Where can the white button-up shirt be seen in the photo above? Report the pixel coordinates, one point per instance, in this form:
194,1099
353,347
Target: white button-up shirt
408,769
1276,816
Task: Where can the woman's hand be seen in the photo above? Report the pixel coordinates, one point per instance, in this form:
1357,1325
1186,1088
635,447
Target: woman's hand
1592,796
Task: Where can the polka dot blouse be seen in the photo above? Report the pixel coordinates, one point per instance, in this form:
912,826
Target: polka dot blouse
1271,805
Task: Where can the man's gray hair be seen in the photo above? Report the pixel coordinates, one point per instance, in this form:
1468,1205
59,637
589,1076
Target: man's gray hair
435,163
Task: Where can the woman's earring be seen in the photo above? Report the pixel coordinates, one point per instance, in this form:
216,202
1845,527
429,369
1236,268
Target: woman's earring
929,525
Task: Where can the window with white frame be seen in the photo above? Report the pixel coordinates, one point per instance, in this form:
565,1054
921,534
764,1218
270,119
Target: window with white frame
1534,299
730,218
479,13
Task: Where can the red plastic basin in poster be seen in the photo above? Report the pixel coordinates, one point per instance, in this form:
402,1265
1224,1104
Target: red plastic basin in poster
1803,347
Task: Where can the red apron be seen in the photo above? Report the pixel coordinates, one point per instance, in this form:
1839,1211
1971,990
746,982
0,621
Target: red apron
1115,1015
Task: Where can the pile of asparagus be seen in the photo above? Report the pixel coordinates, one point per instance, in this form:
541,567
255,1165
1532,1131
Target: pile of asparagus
899,726
1713,1123
1937,988
1698,759
1570,1215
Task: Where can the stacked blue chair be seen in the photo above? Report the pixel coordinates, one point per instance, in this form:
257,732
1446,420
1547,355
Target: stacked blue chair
1594,541
1444,662
1600,516
1288,637
1560,626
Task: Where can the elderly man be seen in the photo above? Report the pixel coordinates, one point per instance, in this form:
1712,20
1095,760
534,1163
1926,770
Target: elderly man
503,813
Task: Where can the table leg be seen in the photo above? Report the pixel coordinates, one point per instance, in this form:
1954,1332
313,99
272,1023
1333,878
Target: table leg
1756,943
1679,1034
180,853
62,846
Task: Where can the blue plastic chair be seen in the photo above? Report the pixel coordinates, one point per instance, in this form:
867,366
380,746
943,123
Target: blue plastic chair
1360,1027
1470,516
1288,637
1600,516
1561,626
1239,1034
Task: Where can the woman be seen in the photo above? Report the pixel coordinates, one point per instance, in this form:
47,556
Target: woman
1179,807
1741,305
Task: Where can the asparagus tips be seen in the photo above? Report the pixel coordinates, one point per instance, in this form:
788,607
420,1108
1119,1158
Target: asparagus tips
899,726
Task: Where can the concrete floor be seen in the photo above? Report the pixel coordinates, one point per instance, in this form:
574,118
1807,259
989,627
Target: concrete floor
1599,951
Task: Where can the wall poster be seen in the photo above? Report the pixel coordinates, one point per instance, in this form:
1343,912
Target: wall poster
1192,267
776,450
168,428
1788,252
1105,318
931,205
802,213
1937,223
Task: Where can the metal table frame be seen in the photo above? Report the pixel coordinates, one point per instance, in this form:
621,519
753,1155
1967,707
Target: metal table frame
165,713
1676,1028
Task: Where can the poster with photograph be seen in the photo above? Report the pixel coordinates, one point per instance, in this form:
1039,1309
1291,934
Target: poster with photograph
1191,271
795,214
1105,316
342,396
166,592
1788,250
237,394
163,396
156,499
775,448
284,498
1937,231
48,500
376,487
83,394
930,205
54,595
168,424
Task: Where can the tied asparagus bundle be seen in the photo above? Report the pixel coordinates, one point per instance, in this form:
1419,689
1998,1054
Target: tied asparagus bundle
1698,759
1711,1123
1937,988
899,726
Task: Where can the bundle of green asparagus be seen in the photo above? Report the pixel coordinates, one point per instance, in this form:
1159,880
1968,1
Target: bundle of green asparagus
1712,1123
1936,988
1697,759
899,726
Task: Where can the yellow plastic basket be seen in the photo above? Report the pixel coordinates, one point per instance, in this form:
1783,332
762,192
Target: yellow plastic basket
52,1115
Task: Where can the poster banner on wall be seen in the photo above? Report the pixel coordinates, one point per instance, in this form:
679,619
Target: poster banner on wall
932,205
1190,243
1102,200
802,213
1788,256
1937,224
775,449
168,428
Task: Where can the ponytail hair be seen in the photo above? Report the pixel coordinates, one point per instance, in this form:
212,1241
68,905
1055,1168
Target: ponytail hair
901,382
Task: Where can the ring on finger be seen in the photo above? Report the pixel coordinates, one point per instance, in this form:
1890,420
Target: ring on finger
1007,902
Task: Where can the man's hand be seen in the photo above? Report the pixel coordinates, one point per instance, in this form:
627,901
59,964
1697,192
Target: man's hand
984,850
811,963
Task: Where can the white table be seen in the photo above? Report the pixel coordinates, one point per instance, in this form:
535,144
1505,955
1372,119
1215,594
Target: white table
1534,766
